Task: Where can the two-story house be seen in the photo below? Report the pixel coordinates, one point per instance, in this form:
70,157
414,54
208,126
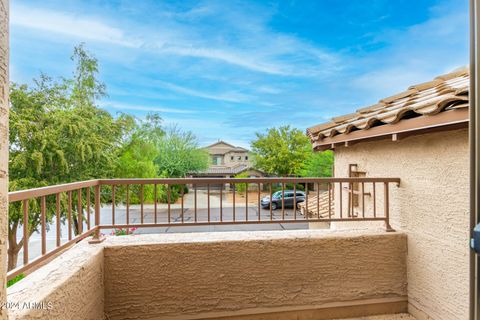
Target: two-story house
227,161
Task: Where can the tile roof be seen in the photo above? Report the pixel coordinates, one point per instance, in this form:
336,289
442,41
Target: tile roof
222,147
231,170
446,92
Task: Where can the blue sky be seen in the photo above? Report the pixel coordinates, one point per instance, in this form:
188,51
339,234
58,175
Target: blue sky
228,69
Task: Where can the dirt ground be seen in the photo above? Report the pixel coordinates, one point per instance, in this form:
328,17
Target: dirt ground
240,196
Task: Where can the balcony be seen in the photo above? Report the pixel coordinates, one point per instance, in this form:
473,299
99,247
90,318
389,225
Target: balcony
292,274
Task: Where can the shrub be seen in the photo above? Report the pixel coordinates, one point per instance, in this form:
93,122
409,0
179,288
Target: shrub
175,192
288,186
11,282
241,187
123,232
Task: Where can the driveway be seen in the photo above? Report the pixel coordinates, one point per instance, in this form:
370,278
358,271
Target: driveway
242,212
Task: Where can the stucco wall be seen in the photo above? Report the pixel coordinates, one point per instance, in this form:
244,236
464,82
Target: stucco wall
431,206
228,158
288,275
4,92
70,288
193,276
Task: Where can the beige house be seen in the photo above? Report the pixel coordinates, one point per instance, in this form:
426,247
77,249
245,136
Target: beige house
227,161
420,136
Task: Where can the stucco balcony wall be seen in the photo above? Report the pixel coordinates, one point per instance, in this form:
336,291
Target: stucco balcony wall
310,274
70,287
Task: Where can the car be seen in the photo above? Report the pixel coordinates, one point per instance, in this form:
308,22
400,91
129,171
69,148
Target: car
288,201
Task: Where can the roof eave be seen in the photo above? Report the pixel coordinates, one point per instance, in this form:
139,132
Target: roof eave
447,120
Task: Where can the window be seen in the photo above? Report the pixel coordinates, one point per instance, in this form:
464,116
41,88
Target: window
277,195
217,160
246,157
231,158
239,158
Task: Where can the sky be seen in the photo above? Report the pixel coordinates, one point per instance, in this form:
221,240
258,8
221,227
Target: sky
228,69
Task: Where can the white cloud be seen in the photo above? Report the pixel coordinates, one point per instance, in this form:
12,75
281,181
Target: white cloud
70,25
134,107
422,52
232,57
257,49
235,97
268,89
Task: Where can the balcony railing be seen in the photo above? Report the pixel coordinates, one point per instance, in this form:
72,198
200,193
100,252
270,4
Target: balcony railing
142,203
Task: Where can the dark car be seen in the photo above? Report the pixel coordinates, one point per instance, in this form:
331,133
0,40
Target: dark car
288,201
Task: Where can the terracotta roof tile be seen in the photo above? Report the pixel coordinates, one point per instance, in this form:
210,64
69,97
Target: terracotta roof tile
426,85
321,127
225,169
398,96
341,119
455,74
445,92
371,108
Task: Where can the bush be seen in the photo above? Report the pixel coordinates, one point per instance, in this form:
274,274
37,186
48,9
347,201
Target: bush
11,282
134,193
175,192
288,186
241,187
122,232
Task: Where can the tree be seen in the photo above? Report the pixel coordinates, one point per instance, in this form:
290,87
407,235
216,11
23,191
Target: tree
281,151
139,151
151,152
137,157
318,164
58,135
179,154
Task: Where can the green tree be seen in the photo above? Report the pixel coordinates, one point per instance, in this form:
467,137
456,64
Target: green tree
152,152
318,164
179,154
137,157
58,135
281,151
139,151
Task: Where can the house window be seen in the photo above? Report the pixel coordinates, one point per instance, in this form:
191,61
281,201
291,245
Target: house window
231,158
239,158
217,160
246,157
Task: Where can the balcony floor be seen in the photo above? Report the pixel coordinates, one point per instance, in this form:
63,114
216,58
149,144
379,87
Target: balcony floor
402,316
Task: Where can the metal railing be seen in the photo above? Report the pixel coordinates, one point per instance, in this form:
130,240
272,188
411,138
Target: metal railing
140,203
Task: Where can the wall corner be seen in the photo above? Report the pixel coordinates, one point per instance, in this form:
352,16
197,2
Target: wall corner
4,105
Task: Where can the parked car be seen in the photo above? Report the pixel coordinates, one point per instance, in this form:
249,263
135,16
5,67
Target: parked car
288,201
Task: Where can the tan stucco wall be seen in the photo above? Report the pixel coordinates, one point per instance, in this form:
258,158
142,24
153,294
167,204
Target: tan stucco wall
192,276
431,206
70,287
268,275
4,92
228,158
